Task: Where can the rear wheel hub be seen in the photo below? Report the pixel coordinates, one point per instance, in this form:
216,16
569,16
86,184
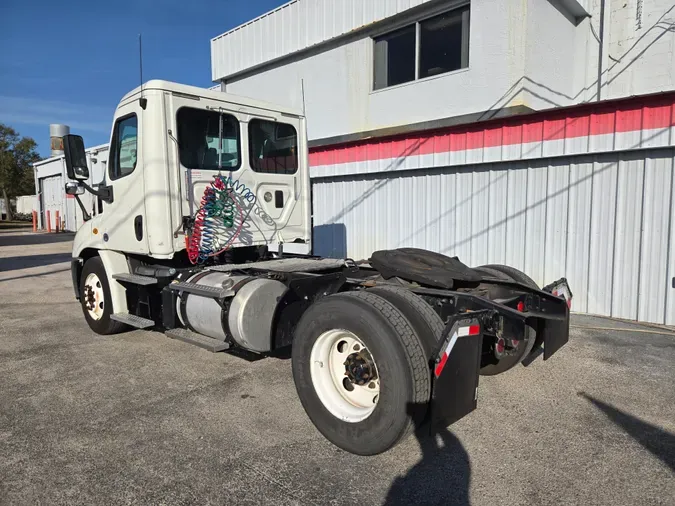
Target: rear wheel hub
360,368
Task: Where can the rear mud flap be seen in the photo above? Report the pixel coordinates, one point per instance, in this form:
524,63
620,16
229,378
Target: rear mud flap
556,334
456,370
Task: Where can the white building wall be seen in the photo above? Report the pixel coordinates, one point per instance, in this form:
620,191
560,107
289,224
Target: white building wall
550,63
531,53
338,82
643,45
604,221
26,204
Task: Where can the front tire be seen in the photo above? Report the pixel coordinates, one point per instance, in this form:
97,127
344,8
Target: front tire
96,300
398,371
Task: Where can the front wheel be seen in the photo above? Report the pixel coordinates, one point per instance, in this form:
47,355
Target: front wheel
360,371
96,300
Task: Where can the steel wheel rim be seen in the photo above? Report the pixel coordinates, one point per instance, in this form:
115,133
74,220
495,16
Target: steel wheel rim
332,378
94,299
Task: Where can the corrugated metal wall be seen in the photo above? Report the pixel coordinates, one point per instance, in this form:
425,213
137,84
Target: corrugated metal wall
604,221
295,26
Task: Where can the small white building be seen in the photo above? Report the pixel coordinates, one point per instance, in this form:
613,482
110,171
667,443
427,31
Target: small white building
535,133
50,182
26,204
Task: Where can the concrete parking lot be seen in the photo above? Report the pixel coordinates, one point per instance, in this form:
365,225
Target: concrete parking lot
140,418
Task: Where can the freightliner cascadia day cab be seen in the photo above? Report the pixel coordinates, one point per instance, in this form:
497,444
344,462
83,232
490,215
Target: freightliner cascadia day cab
203,232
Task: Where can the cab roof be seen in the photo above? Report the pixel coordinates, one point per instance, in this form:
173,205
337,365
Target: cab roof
171,87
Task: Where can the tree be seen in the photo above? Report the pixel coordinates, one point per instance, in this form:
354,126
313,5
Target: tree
17,154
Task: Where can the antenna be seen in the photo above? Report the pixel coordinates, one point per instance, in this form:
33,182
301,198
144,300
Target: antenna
302,88
304,107
142,101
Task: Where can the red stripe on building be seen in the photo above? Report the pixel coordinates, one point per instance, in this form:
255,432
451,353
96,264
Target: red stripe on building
659,116
628,115
513,134
628,119
554,129
602,122
533,131
493,137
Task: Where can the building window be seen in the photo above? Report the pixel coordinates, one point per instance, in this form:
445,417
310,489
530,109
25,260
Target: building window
395,58
273,147
427,48
124,151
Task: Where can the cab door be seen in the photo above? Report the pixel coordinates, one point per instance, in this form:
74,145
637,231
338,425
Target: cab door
123,223
277,172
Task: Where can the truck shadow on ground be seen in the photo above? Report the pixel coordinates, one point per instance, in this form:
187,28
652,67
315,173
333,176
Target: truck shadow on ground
655,440
441,477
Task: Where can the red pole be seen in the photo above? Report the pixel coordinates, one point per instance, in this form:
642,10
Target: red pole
34,221
49,222
58,222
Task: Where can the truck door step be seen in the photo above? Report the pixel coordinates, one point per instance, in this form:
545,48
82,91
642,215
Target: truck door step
208,343
132,320
204,291
135,279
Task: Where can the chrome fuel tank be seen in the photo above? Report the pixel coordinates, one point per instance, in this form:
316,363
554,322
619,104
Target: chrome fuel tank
246,316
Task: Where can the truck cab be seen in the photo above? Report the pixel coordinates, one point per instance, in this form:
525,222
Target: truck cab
168,141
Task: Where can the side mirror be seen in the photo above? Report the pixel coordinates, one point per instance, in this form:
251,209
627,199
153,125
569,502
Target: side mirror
74,189
76,158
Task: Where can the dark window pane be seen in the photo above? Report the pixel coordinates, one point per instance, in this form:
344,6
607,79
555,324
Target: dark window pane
395,58
199,139
273,147
442,46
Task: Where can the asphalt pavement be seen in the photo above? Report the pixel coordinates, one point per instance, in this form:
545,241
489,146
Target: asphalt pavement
138,418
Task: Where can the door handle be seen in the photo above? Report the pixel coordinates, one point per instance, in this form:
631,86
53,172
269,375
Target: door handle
279,199
138,227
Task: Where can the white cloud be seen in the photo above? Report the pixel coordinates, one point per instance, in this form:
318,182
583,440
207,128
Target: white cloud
35,111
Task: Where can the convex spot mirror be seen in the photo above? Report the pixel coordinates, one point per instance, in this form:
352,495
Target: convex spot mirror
74,189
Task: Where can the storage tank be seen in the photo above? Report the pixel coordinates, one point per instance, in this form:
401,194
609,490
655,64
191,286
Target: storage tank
56,133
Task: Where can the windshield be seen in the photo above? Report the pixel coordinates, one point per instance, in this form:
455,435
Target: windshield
199,131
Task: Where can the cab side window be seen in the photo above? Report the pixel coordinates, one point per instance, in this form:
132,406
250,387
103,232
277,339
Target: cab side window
273,147
124,148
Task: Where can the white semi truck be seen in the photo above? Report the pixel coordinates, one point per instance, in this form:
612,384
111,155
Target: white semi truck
203,232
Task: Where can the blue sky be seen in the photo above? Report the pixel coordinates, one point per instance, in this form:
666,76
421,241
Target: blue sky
71,61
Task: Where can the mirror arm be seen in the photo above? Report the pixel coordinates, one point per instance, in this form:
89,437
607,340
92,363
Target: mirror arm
85,215
106,192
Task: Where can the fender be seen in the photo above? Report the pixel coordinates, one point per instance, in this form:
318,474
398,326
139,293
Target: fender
116,263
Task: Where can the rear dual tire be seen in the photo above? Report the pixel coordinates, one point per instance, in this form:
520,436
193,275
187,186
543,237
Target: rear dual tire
394,333
494,366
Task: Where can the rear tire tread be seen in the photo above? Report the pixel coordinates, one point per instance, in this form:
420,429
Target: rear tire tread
409,339
430,316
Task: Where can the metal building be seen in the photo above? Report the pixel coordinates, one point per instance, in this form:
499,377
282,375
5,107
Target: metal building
50,182
537,133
